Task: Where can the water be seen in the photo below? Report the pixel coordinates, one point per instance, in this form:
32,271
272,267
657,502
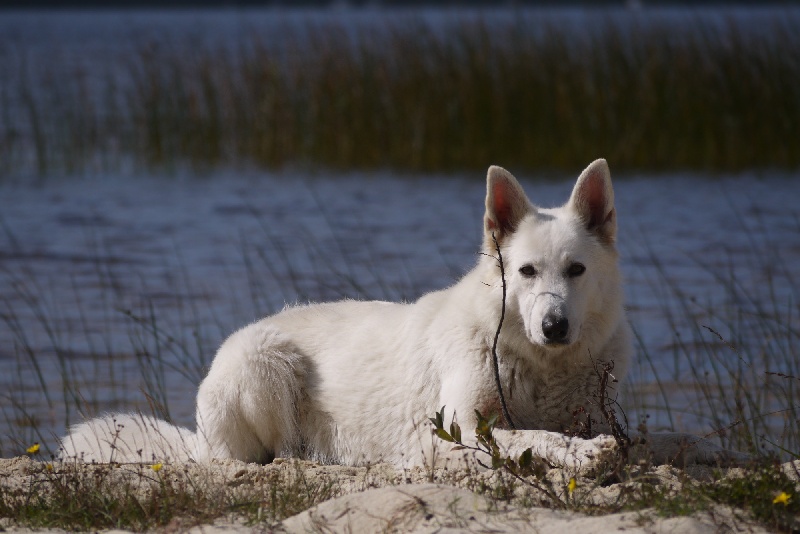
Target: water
127,285
116,290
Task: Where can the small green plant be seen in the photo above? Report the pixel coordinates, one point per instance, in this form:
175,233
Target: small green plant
525,468
764,491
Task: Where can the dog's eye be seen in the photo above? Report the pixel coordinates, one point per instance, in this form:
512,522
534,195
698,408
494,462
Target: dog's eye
527,270
576,269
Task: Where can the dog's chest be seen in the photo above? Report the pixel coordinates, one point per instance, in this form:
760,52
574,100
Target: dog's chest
555,401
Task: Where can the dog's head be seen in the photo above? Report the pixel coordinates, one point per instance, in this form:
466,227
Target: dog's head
561,263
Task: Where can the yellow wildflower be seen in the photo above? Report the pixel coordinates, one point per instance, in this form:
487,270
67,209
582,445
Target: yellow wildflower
33,449
572,485
49,467
157,467
783,498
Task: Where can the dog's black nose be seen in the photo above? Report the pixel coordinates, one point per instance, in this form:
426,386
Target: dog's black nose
555,328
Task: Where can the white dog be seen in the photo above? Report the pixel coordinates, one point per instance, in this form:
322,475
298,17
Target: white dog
354,382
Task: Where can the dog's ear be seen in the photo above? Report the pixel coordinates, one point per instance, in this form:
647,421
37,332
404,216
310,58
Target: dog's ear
593,200
506,205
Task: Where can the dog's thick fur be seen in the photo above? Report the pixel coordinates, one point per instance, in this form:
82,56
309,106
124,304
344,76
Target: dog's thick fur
354,382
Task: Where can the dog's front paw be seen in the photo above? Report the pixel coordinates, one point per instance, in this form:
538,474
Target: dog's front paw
591,456
681,450
581,456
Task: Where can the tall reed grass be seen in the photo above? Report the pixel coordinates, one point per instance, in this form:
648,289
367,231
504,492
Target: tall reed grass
735,370
735,374
415,97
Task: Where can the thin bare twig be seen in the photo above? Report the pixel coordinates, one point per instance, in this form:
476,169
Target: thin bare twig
781,375
605,404
506,414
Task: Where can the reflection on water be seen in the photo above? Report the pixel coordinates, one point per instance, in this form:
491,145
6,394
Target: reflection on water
126,286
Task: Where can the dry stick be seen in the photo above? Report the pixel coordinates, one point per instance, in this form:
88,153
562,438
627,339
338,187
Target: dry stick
609,414
506,415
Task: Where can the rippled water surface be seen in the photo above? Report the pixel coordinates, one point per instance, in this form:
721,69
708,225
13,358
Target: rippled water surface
114,293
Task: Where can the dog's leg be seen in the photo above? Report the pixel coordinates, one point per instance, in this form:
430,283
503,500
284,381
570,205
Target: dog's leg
585,456
247,407
590,456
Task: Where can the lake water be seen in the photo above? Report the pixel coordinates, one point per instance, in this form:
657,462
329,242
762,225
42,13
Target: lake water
115,288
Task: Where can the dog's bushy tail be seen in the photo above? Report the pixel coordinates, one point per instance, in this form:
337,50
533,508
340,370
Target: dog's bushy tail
128,438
